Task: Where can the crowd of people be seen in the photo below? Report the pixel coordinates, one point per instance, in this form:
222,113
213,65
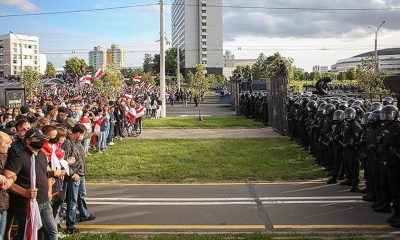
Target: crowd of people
346,134
43,150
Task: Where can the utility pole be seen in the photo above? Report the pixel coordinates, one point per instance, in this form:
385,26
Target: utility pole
162,62
178,70
20,43
376,45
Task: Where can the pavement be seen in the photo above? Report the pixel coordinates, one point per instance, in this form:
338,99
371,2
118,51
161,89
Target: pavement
208,133
231,207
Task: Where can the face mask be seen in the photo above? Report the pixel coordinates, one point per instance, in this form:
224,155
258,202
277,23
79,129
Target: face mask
37,145
54,140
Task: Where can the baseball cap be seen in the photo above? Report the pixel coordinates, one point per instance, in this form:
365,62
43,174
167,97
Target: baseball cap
35,133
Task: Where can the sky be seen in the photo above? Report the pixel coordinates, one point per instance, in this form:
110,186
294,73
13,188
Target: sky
309,37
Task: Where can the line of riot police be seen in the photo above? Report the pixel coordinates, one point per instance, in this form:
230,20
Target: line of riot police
346,134
254,106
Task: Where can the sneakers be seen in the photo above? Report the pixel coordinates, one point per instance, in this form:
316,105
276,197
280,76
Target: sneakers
90,218
331,180
111,144
72,231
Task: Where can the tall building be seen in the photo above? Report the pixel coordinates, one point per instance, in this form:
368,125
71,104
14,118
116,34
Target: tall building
97,58
197,30
320,69
18,51
115,55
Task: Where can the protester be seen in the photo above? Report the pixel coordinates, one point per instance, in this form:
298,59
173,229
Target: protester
5,143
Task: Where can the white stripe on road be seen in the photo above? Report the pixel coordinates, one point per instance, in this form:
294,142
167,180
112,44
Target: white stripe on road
222,203
224,199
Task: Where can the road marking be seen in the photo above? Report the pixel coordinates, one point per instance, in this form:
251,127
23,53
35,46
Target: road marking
377,226
220,203
202,184
227,227
226,199
306,189
164,227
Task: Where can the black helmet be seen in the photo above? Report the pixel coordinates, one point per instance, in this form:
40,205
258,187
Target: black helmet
389,113
375,116
304,101
328,100
312,105
376,106
338,115
321,107
350,114
343,105
335,103
314,97
359,110
387,101
364,119
351,101
329,109
320,101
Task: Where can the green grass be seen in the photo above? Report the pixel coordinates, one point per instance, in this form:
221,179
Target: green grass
202,160
255,236
209,122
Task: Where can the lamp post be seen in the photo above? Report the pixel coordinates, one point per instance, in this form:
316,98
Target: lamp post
162,62
376,44
178,63
20,43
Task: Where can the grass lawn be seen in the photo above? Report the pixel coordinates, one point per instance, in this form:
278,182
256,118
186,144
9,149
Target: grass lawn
202,160
209,122
257,236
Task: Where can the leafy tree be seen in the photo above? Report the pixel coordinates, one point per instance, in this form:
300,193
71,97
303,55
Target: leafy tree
350,74
126,72
199,83
90,69
148,78
148,63
112,83
31,81
341,76
75,66
155,64
315,76
369,79
50,70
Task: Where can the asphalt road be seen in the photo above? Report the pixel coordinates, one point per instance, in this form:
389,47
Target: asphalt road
283,207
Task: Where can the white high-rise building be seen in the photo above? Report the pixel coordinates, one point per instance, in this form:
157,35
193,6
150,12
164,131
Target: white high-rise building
197,30
97,58
18,51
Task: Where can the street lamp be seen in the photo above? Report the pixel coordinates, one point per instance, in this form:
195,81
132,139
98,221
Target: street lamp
376,44
178,63
20,43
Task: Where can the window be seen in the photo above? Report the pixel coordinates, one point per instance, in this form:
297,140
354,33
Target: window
203,24
204,17
204,49
204,5
15,50
15,56
14,44
30,57
204,37
35,68
25,46
15,61
30,46
204,55
203,11
35,62
25,57
204,30
204,62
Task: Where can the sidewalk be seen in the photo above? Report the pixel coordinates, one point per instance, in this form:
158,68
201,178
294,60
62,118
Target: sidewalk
208,133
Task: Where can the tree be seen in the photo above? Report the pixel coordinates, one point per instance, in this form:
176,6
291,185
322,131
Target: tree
75,66
31,81
126,72
90,69
199,83
113,81
341,76
148,78
350,74
147,63
50,70
369,79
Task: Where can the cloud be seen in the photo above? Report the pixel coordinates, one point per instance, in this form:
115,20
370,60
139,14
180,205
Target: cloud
25,5
307,24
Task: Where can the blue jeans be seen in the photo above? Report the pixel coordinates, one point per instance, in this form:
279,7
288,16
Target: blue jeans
48,222
76,195
86,145
110,134
101,141
3,222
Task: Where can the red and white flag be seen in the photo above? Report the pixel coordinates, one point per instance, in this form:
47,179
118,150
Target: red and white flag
140,112
85,79
98,74
33,220
137,79
127,96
